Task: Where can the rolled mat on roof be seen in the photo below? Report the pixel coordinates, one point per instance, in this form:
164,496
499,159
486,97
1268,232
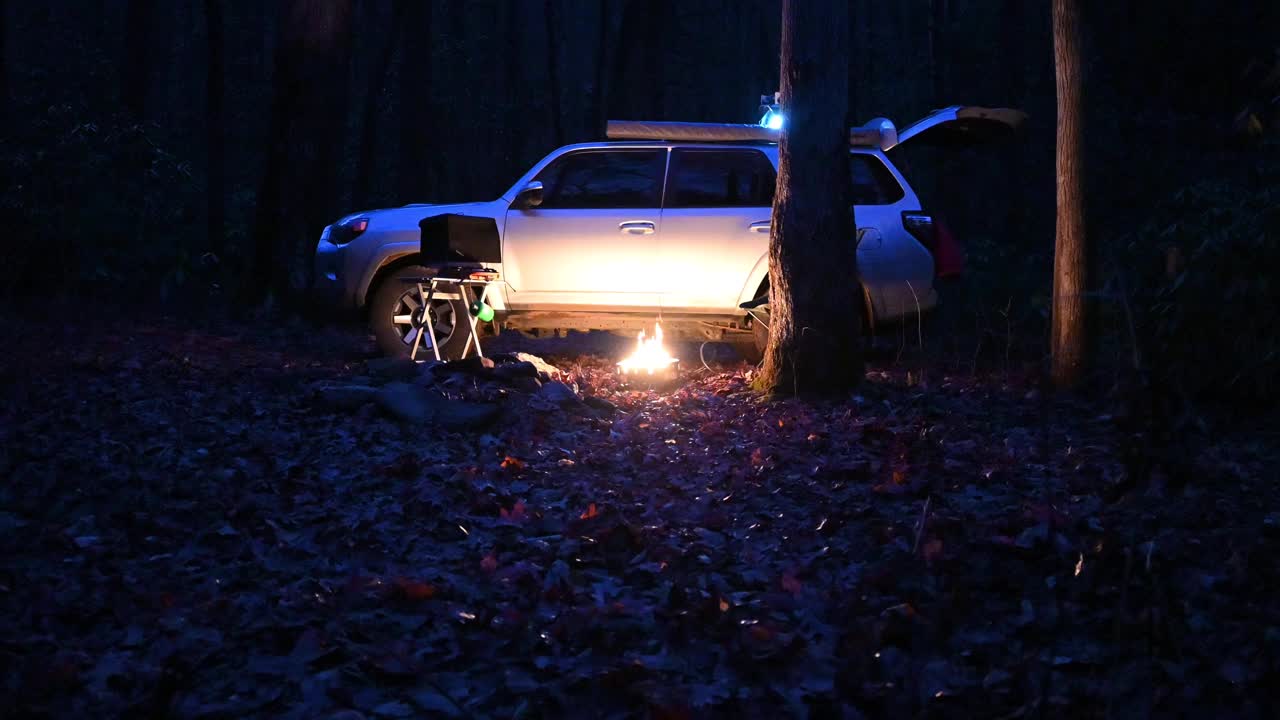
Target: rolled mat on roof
689,131
726,132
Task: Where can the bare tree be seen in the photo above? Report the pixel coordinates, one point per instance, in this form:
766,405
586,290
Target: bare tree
855,17
215,133
368,151
553,70
1068,343
600,115
415,108
296,195
938,51
514,81
639,76
135,74
1013,20
815,304
4,65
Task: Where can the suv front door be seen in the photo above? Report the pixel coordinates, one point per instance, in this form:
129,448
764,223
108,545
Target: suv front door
593,241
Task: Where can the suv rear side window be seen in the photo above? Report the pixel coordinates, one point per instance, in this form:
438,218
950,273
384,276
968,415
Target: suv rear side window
873,184
604,179
720,178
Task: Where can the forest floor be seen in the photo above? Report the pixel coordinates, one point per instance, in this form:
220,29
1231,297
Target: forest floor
190,530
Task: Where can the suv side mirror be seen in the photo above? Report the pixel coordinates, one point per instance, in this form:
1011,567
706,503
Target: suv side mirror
530,196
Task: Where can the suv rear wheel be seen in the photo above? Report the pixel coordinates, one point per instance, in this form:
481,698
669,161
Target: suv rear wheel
396,317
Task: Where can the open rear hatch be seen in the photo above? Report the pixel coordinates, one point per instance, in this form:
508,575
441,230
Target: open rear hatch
958,126
962,126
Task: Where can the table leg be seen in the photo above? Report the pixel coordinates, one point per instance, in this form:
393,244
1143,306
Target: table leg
474,320
426,317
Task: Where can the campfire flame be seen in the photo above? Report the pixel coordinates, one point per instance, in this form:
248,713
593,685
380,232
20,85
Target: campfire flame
650,355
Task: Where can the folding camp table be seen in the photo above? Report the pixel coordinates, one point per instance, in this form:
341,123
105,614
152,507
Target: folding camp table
466,288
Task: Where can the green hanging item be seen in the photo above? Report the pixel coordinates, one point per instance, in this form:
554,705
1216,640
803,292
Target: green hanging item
482,311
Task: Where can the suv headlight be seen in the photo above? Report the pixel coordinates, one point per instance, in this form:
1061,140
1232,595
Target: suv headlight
347,229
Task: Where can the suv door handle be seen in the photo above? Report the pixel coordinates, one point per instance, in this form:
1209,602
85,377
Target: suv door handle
637,227
760,227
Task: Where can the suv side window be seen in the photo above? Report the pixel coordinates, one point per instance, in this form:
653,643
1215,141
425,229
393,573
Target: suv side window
720,178
604,179
873,184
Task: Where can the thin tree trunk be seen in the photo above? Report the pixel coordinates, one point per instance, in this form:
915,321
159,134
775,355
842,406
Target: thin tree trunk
367,154
553,70
639,83
1012,20
851,113
516,94
298,181
869,42
620,101
4,65
937,52
815,303
215,133
1069,260
660,27
415,86
135,72
937,82
600,117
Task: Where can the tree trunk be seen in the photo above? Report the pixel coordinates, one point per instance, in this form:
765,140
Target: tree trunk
638,87
851,112
937,52
305,132
4,65
553,70
215,133
135,73
415,88
814,327
1012,24
366,157
1069,260
516,91
937,83
661,26
600,118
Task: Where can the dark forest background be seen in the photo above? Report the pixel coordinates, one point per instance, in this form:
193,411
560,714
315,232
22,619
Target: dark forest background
166,151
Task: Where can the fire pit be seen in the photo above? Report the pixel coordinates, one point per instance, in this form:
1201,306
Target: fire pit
651,362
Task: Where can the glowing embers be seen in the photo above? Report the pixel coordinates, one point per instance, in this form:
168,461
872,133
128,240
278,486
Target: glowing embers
651,360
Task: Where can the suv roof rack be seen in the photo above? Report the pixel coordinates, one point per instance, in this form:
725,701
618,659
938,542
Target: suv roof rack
878,133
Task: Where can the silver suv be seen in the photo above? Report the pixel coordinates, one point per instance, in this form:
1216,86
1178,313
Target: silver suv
608,235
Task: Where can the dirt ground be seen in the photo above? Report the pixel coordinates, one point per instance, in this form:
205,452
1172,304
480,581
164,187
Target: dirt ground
189,530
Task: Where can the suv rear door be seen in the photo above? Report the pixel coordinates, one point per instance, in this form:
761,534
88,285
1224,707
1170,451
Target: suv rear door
895,268
593,241
715,224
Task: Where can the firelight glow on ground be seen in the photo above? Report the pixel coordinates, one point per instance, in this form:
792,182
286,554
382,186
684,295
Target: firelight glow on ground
650,356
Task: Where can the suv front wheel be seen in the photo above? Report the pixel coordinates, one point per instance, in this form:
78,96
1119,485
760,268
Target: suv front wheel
396,317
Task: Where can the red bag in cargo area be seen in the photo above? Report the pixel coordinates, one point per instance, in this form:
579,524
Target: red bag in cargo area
948,256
